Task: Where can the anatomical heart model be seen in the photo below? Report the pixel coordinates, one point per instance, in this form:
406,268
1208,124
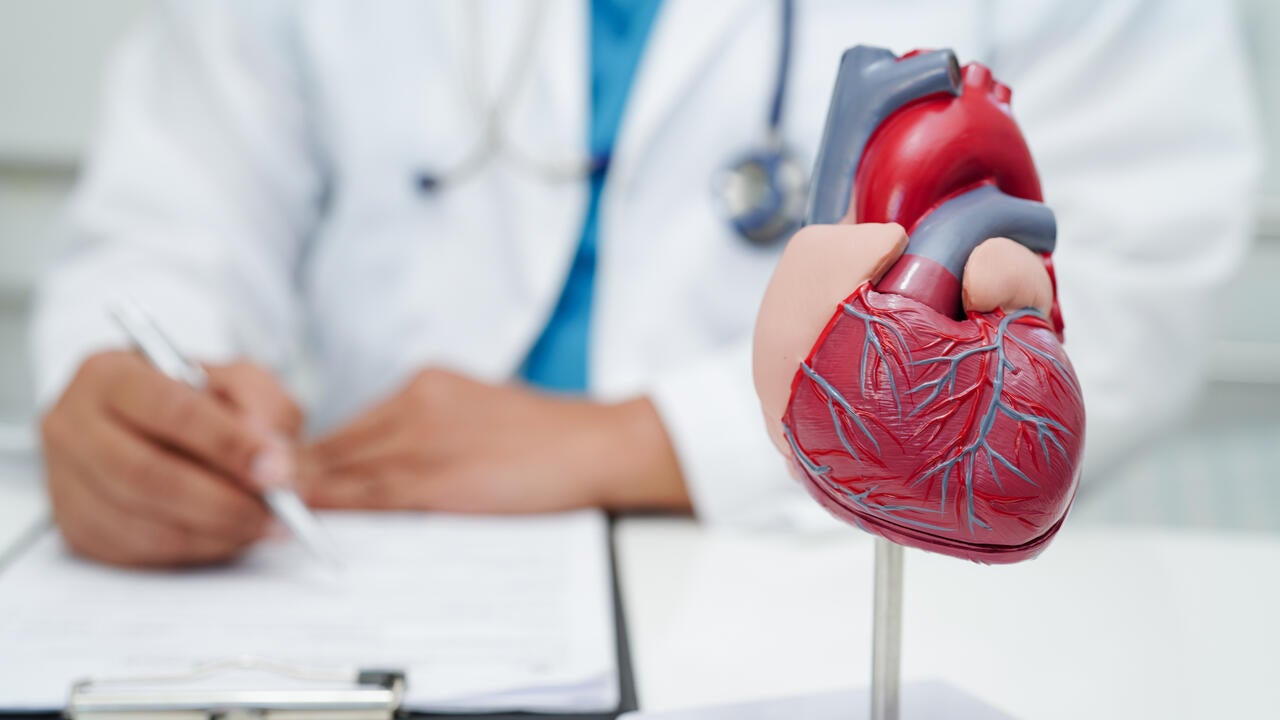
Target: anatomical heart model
951,431
908,352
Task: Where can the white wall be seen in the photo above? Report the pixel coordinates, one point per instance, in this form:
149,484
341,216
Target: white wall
1250,335
1261,21
51,56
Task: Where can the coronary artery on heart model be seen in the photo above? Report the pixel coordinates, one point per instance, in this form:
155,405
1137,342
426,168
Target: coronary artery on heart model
953,432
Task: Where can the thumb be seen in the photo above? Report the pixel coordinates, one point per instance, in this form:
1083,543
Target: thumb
257,395
1000,273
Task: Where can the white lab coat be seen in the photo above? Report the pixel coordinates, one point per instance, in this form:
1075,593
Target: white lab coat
252,184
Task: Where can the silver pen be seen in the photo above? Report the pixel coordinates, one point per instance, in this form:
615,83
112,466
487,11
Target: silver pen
161,352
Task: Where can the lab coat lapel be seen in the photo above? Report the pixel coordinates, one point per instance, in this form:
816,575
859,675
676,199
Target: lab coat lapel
685,35
547,127
568,55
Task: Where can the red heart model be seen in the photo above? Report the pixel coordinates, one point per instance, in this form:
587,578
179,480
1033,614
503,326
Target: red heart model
954,434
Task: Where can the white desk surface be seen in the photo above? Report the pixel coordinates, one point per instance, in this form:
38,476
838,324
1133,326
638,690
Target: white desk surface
1108,623
22,501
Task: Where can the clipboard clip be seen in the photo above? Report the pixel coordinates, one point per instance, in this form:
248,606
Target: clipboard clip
300,694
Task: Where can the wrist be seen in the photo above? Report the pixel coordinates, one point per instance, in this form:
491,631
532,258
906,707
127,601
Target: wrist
636,466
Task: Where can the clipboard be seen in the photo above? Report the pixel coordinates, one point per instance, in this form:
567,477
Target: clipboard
369,695
371,691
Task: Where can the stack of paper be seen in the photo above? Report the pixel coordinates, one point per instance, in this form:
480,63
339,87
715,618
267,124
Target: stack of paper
482,613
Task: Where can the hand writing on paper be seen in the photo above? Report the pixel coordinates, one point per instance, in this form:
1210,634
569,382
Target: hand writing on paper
145,471
448,442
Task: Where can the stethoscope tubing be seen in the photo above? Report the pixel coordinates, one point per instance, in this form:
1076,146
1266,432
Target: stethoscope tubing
786,36
493,138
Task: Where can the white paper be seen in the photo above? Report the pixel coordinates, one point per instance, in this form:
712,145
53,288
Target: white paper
483,613
22,500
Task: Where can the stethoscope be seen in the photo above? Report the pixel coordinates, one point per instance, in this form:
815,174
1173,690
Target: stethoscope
762,193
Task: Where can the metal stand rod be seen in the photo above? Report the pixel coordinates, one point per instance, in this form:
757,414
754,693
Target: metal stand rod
886,637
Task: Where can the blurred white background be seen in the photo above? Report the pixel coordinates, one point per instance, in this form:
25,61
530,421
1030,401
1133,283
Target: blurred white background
1221,470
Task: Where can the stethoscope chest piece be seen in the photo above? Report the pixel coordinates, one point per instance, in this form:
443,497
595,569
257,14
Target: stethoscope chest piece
763,194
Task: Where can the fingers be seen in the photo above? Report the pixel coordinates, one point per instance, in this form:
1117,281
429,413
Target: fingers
382,459
351,492
255,393
188,419
256,396
155,482
365,438
362,477
386,487
1000,273
113,535
400,487
143,470
431,394
95,526
821,266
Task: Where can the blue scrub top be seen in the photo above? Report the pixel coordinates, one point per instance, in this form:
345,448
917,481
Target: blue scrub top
619,28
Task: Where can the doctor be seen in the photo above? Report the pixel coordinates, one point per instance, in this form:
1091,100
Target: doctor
505,250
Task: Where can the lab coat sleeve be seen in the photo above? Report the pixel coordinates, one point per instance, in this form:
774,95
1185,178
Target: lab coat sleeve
1141,121
734,475
196,195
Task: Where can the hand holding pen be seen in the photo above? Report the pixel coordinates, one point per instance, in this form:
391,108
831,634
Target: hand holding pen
146,471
